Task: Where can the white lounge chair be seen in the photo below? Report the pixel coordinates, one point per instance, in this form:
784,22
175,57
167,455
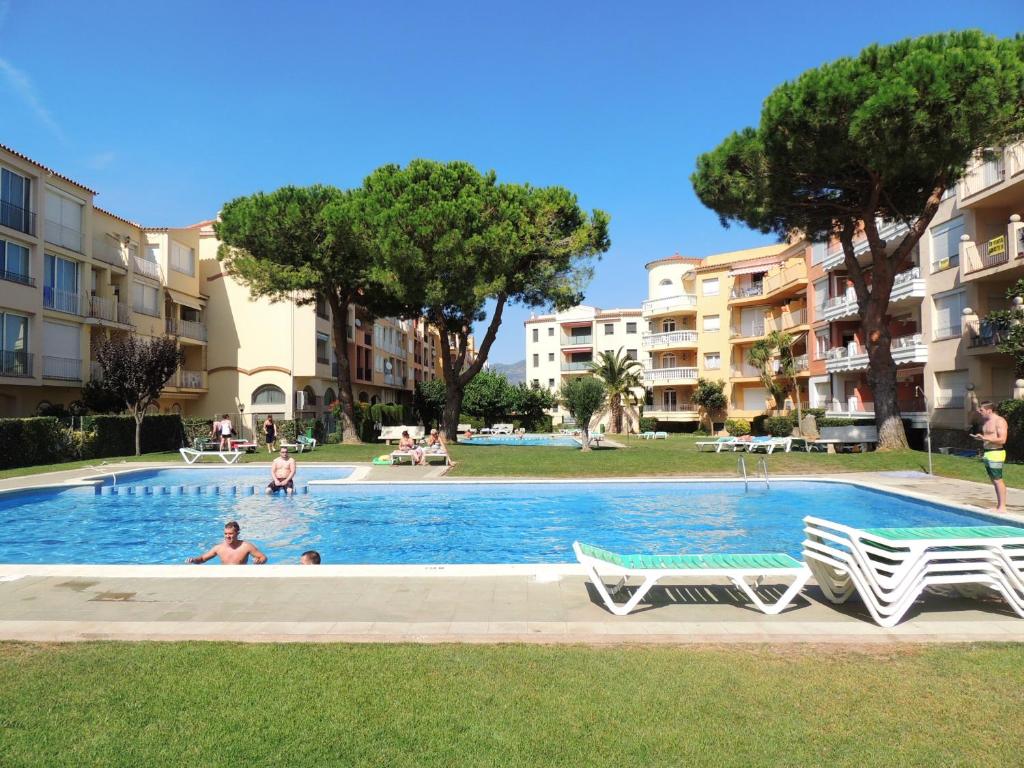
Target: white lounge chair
402,457
768,444
502,429
660,436
716,445
191,455
653,568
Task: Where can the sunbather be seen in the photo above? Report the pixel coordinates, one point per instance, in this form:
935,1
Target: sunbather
408,445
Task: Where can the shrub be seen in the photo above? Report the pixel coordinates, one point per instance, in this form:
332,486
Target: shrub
648,424
836,421
779,426
38,440
737,427
196,427
477,422
115,435
1013,412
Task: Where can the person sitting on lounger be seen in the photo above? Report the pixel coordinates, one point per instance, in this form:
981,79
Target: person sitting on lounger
282,474
233,551
435,444
408,445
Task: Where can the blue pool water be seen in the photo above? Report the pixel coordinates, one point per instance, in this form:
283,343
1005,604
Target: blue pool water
222,476
444,523
524,440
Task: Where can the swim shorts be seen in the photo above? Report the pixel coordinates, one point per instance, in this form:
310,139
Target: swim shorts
994,463
274,487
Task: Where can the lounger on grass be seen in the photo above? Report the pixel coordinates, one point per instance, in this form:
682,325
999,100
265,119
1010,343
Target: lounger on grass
436,458
767,444
191,455
653,568
660,436
716,445
402,457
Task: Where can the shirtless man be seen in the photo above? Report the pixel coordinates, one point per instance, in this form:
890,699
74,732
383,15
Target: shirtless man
282,471
233,551
993,433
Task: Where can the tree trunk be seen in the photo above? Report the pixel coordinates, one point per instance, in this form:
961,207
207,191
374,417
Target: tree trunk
586,435
339,319
452,409
617,414
882,380
138,431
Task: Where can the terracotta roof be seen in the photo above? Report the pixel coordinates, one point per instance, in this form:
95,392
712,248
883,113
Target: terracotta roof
49,170
122,219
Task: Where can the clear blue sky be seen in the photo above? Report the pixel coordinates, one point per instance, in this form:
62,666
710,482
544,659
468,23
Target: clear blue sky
170,109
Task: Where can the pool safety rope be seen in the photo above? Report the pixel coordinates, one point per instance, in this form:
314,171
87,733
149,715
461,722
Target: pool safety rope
186,490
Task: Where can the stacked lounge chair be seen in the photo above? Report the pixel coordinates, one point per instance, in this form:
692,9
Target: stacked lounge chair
891,567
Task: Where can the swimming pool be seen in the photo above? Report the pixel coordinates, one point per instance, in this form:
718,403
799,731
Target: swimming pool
546,440
213,475
447,522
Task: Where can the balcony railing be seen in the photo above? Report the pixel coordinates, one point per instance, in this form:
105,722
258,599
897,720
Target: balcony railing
985,255
16,362
71,302
579,340
63,368
669,303
855,407
16,217
669,339
657,375
743,370
111,311
577,365
670,408
68,237
190,379
784,276
1015,158
749,330
147,268
747,291
890,233
905,349
190,329
792,319
982,175
108,251
17,277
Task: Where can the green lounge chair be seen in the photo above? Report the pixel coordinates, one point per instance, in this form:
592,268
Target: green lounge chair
653,568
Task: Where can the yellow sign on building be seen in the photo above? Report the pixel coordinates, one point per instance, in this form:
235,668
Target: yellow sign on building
997,246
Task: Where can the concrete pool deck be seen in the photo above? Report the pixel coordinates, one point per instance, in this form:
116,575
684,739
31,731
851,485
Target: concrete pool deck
473,604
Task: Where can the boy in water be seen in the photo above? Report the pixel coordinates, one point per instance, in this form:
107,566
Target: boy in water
233,551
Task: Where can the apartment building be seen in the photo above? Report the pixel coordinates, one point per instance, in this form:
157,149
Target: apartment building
81,273
562,345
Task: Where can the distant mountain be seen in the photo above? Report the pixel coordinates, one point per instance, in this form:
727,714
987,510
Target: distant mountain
514,372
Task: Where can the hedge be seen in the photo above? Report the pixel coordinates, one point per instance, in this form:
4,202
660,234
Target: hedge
115,435
38,440
648,424
1013,412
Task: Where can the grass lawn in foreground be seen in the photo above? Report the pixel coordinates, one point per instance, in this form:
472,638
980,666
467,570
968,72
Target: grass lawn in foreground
675,456
117,704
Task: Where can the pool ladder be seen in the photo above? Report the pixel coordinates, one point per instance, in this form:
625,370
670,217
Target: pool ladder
762,465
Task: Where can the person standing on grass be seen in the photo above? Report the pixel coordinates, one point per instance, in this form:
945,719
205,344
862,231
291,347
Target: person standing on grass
233,551
270,432
993,435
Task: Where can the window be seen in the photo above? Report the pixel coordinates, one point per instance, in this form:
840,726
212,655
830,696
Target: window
712,361
551,383
536,335
818,251
321,307
551,357
63,221
60,284
950,387
609,329
711,323
14,262
948,312
631,354
822,344
820,297
152,252
536,382
63,351
945,239
323,344
268,394
667,326
146,299
536,361
551,331
183,259
16,202
710,286
630,327
14,360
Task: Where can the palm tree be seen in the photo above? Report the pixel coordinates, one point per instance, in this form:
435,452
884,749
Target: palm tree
762,357
783,343
621,377
773,357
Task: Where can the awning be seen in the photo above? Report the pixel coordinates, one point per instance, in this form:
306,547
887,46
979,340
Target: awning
752,270
185,300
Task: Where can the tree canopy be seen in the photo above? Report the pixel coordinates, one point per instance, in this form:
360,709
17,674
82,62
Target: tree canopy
864,141
709,397
583,397
447,239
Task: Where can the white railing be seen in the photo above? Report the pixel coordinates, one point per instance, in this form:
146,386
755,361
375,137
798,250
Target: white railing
147,268
579,365
111,311
669,374
68,237
744,370
107,250
747,331
793,319
747,291
905,349
888,232
71,302
669,339
981,175
1015,159
65,368
670,408
669,303
187,328
191,379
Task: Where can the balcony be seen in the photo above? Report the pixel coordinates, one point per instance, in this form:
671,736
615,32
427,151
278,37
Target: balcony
67,237
17,363
744,371
187,328
750,291
1003,250
579,340
834,256
109,311
785,279
146,268
788,320
906,350
908,285
750,330
669,339
890,232
62,368
108,251
854,408
981,175
186,379
666,376
17,277
576,366
17,218
669,410
668,305
69,302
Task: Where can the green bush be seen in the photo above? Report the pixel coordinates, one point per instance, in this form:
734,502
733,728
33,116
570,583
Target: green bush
477,422
196,427
1013,412
737,427
26,442
647,424
779,426
836,421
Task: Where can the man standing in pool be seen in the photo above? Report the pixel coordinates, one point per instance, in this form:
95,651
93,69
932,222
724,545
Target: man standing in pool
282,473
993,433
233,551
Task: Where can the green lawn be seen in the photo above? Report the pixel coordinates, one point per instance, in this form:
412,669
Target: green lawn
142,704
675,456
